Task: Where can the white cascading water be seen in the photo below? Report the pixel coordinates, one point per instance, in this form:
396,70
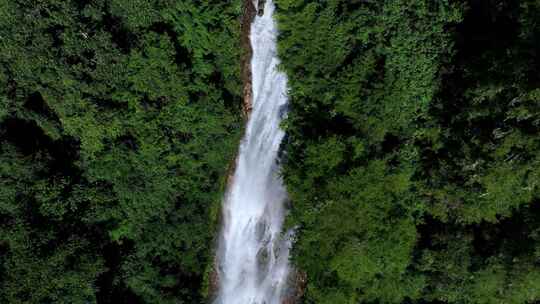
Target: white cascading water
253,253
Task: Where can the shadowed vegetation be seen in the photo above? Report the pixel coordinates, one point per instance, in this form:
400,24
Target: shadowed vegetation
414,150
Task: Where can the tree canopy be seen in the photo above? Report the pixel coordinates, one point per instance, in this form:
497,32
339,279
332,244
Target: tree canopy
412,155
413,150
118,120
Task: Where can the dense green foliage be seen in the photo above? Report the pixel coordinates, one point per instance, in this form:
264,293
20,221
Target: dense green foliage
412,155
413,151
118,119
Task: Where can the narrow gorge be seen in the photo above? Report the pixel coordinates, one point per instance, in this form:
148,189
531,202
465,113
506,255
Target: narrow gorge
253,263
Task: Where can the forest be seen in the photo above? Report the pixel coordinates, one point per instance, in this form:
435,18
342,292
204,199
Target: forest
118,122
413,155
411,158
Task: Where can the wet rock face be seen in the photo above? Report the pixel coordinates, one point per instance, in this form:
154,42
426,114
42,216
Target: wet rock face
263,257
297,287
261,229
213,280
260,9
249,13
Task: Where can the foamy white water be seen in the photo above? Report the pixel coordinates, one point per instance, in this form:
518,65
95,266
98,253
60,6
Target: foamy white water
253,252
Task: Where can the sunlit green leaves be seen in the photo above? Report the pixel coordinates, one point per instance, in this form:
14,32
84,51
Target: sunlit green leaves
123,118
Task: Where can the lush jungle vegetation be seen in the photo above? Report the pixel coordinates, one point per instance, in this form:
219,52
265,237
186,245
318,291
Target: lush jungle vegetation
412,156
413,151
118,119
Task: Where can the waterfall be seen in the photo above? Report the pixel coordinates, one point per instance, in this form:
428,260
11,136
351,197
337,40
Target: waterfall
253,252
